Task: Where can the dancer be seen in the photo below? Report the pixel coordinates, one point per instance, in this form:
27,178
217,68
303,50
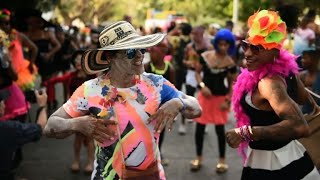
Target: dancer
219,71
129,108
267,117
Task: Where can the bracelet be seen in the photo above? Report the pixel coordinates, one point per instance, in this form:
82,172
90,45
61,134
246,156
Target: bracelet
184,107
246,133
201,85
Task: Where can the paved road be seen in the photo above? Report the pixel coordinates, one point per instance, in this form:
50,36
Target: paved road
50,159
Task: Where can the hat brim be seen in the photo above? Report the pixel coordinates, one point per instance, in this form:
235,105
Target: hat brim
92,62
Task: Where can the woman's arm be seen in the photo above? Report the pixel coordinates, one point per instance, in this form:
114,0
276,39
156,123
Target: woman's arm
172,73
192,107
293,124
55,45
61,125
26,42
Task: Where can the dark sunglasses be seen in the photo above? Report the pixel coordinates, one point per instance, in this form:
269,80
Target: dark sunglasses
245,45
131,53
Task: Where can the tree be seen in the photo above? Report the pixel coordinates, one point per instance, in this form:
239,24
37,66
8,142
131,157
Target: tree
86,10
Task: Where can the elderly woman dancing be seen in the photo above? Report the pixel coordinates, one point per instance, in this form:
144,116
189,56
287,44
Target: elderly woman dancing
124,109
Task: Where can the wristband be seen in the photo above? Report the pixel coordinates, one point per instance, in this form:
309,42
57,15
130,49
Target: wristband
201,85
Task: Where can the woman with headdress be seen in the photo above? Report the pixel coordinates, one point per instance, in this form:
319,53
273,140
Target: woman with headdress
214,97
25,69
124,109
264,95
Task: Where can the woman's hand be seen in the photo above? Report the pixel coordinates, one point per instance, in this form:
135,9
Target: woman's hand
166,114
46,57
98,129
206,91
233,138
225,105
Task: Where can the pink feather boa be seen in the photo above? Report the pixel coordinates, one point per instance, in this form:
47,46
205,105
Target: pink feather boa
247,81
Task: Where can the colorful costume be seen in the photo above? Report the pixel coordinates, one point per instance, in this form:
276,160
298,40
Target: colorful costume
132,107
26,79
267,159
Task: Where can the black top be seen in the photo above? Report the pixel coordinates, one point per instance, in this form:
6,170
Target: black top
60,61
266,118
5,79
215,78
179,54
45,67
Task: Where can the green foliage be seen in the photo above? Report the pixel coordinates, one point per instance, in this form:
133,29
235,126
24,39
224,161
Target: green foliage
197,11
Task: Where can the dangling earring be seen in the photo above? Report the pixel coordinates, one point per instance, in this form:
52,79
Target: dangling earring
274,59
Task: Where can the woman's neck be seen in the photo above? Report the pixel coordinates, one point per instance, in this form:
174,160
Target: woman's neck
200,45
221,54
121,79
158,64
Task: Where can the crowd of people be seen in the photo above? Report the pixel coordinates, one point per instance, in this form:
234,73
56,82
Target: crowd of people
124,87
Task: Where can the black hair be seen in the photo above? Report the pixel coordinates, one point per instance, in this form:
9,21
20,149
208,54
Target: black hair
289,13
185,29
313,54
75,54
157,30
58,28
229,23
311,13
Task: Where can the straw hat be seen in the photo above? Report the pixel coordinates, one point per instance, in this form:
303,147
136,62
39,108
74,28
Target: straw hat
116,36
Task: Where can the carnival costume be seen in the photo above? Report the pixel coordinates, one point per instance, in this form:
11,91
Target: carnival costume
267,159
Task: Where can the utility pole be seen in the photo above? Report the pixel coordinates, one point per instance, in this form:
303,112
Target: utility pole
235,14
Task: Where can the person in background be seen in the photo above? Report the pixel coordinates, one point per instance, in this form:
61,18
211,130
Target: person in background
158,65
229,25
179,44
62,59
48,46
13,109
45,40
192,58
14,134
73,80
219,71
264,100
124,109
289,13
310,77
304,37
213,29
17,41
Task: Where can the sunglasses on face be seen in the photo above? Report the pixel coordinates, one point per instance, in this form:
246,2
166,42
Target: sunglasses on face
245,45
131,53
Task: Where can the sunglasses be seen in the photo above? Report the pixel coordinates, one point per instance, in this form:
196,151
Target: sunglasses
245,45
131,53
